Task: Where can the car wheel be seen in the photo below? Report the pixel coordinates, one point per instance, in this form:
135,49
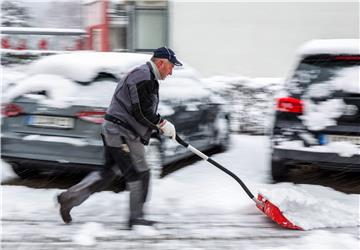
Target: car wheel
279,170
24,172
153,157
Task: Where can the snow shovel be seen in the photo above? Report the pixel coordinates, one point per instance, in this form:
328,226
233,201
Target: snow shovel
268,208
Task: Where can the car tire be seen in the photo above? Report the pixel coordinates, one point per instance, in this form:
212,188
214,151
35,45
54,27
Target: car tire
153,155
24,172
279,170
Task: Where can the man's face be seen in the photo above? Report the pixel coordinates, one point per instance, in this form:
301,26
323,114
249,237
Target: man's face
165,68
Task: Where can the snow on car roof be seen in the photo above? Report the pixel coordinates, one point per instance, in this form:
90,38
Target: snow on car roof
62,92
331,46
56,87
84,66
57,76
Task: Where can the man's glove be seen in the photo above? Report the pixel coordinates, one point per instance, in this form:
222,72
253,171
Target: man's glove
167,128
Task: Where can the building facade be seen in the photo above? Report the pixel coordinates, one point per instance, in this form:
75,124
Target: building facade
254,38
136,26
251,38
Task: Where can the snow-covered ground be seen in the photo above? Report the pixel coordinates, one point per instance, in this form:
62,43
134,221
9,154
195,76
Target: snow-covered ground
199,207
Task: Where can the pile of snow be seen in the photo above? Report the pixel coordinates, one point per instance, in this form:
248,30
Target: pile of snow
310,206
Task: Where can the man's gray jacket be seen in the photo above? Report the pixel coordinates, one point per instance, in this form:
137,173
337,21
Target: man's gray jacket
135,103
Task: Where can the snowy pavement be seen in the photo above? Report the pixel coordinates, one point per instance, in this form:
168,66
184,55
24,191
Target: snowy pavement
199,207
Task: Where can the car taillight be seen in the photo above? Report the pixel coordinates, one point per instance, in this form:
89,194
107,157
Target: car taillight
347,58
92,116
289,104
11,109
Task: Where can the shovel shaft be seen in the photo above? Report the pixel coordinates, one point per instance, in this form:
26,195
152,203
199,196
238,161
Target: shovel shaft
268,208
216,164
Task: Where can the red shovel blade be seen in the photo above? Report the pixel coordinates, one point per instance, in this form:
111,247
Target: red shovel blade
274,213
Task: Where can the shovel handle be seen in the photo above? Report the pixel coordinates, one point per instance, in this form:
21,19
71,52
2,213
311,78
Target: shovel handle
180,141
216,164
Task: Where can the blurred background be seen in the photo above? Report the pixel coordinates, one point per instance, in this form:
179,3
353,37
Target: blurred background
251,38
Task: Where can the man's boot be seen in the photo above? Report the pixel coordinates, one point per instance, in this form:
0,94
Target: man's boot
137,205
77,194
65,208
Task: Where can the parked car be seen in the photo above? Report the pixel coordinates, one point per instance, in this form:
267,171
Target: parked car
52,117
317,124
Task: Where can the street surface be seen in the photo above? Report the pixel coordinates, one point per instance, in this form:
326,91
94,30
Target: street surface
209,215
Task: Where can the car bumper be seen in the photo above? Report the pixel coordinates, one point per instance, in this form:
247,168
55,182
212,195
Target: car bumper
50,151
324,160
52,166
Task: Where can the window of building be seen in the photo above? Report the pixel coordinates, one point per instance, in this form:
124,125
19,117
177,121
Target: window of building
150,29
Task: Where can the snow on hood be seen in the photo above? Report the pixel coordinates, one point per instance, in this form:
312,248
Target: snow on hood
330,46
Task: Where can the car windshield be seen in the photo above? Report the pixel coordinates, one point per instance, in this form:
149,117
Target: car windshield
321,76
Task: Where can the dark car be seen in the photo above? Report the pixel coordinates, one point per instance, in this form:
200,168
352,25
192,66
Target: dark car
51,119
318,124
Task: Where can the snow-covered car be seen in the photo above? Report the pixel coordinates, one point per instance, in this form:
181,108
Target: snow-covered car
318,123
51,118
